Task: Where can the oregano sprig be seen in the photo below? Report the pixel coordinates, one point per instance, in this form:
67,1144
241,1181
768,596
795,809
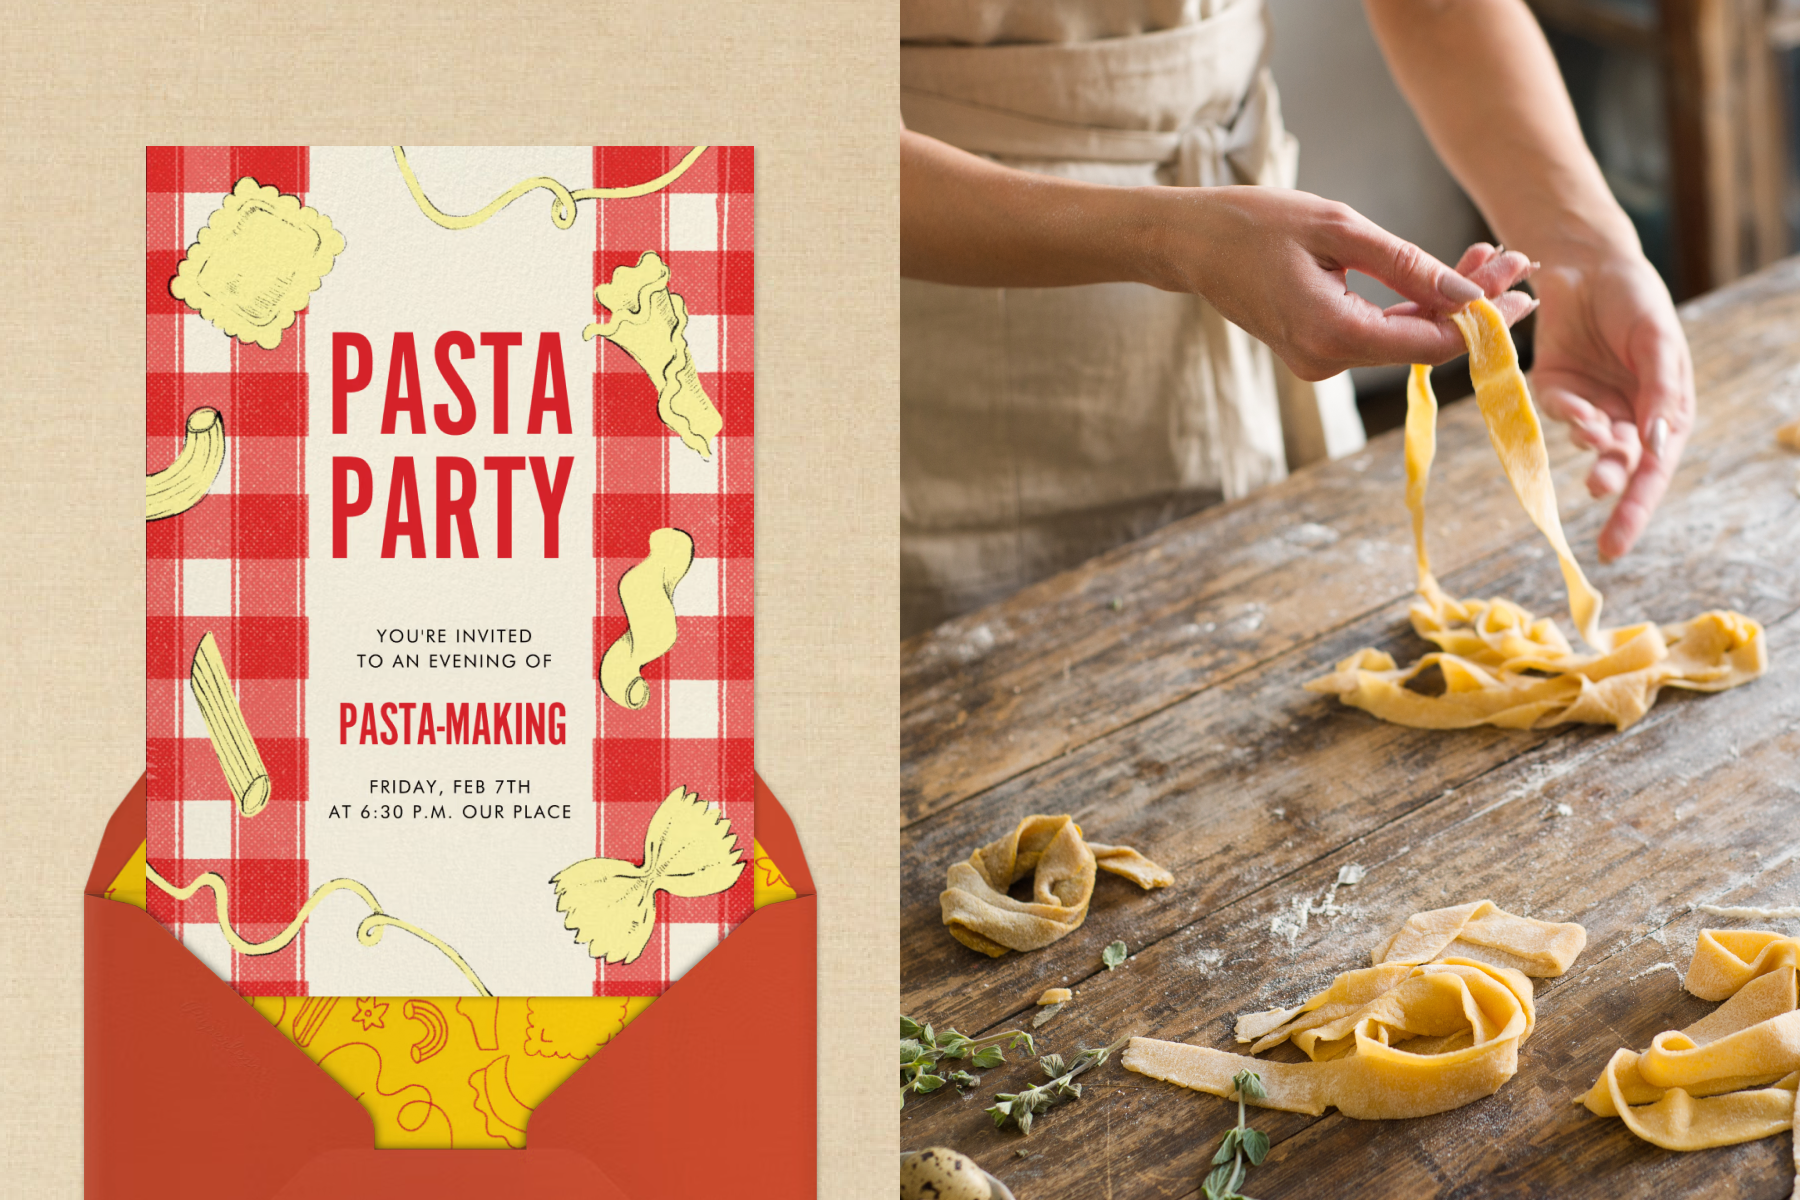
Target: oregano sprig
1021,1108
923,1048
1240,1144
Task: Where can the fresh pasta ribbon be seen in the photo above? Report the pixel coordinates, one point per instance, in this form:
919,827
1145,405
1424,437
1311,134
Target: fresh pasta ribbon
1500,664
368,931
1730,1077
1063,867
562,202
649,322
1422,1031
239,758
610,904
185,482
647,594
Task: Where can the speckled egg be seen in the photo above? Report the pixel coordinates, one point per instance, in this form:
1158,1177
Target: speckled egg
941,1174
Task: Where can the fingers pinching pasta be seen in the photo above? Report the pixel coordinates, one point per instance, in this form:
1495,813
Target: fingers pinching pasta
647,593
1501,665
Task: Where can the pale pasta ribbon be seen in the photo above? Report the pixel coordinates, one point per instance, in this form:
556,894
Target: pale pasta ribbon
368,931
1729,1077
1423,1031
1063,867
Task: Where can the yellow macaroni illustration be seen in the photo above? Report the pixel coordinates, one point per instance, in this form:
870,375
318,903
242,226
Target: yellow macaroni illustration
231,740
185,482
689,850
562,203
437,1029
647,592
257,263
368,932
649,322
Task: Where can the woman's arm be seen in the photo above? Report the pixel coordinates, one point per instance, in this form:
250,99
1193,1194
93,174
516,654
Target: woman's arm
1611,359
1273,261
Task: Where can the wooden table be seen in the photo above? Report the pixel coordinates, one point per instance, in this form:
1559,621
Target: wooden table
1155,694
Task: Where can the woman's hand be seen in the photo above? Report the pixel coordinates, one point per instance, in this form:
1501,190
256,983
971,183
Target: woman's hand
1612,361
1274,262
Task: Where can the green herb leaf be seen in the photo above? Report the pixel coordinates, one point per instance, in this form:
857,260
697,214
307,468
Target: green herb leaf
925,1036
909,1050
963,1079
1024,1120
1021,1038
990,1056
1218,1184
910,1028
1227,1148
1052,1064
1000,1111
928,1083
1113,955
1256,1146
1249,1085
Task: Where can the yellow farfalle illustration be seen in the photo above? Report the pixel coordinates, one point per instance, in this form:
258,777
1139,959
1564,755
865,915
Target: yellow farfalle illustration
689,850
649,322
1435,1024
257,263
185,482
647,593
1732,1075
1501,665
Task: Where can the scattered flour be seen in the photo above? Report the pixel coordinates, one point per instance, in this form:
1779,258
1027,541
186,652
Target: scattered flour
1654,970
1558,810
1289,925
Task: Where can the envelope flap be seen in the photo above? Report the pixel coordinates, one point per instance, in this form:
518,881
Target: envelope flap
189,1091
712,1091
775,830
124,834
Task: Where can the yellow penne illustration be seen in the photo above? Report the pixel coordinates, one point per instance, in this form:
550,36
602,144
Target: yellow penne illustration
649,322
647,592
231,740
185,482
689,850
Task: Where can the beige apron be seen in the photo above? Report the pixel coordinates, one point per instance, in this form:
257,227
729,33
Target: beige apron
1042,426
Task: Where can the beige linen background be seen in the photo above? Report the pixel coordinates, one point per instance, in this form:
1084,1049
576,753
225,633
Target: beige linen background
84,88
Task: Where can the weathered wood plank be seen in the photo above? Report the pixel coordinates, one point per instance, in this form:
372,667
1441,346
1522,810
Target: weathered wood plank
992,694
1241,784
1697,802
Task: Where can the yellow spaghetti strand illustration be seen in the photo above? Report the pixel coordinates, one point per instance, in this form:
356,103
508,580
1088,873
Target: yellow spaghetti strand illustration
563,201
368,932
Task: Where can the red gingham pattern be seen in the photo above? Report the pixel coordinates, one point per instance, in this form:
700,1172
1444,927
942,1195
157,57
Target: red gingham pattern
234,565
697,729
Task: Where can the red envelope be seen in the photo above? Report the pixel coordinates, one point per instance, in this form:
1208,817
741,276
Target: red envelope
710,1092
